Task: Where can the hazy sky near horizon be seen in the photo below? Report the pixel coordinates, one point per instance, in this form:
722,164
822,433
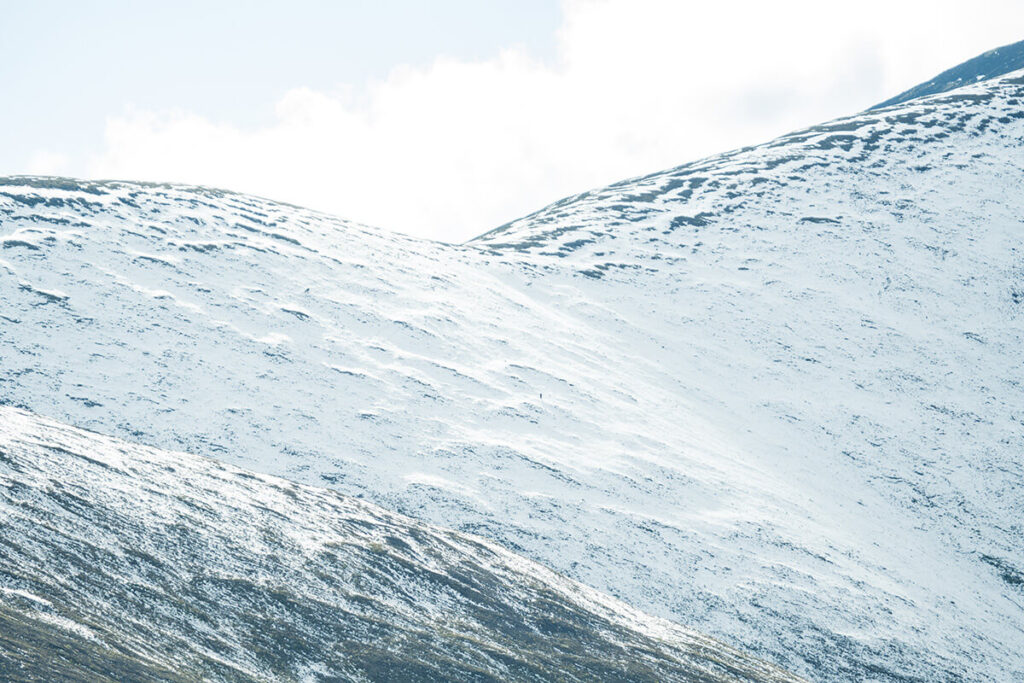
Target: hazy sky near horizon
448,118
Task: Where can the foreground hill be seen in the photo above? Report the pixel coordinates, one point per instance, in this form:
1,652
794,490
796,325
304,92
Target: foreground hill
774,394
120,562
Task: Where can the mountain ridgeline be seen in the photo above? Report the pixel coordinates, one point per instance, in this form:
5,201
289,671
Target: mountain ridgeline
773,395
991,64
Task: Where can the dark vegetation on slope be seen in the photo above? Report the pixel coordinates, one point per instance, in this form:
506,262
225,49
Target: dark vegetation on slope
36,651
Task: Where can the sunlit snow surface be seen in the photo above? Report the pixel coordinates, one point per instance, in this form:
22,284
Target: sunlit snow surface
775,395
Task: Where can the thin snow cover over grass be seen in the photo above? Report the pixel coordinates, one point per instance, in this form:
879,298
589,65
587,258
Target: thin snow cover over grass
774,395
159,561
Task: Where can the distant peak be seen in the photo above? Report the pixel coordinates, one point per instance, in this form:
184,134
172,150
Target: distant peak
991,64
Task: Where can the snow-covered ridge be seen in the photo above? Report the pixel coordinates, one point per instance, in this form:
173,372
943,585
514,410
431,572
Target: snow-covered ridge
165,566
773,395
653,217
990,64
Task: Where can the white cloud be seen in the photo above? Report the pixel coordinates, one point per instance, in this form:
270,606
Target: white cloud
452,149
45,162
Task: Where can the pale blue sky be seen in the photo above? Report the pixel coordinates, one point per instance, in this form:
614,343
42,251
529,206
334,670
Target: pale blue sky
67,65
447,118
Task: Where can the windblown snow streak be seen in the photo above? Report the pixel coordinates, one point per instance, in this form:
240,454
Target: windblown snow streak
775,395
143,564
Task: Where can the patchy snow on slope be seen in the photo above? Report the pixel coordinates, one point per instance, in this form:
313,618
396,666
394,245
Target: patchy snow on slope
175,562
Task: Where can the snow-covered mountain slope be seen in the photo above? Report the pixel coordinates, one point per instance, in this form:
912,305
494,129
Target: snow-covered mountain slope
775,395
849,300
991,64
121,562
